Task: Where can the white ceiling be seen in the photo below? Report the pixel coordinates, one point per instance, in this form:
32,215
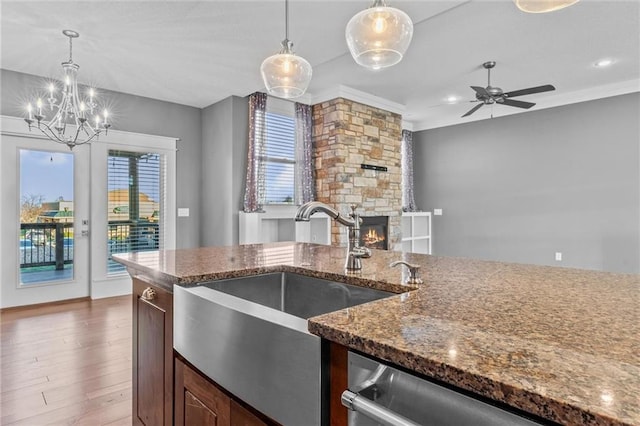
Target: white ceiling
200,52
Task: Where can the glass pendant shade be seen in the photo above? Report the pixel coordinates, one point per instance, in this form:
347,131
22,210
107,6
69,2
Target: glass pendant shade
543,6
285,74
379,36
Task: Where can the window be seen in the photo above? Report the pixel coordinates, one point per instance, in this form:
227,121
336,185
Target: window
280,153
133,203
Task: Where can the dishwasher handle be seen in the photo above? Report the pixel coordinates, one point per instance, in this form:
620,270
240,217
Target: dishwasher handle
374,411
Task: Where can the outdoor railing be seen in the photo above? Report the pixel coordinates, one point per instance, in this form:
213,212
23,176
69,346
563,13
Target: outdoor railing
46,244
51,244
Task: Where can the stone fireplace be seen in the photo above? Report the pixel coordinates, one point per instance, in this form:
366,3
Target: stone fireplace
357,161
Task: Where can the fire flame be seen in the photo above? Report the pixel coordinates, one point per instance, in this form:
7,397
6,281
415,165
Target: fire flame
372,237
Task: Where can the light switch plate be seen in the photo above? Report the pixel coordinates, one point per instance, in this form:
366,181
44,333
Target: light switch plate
437,212
183,212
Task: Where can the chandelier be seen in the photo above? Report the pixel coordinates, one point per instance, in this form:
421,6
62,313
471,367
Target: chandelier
285,74
543,6
379,36
73,120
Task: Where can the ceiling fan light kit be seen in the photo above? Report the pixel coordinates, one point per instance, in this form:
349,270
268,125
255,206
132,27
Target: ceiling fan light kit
285,74
543,6
379,36
494,95
71,124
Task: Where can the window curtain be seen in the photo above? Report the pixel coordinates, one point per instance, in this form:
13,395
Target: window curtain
254,186
408,200
305,183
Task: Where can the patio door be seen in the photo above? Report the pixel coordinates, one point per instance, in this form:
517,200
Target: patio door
65,213
44,221
132,204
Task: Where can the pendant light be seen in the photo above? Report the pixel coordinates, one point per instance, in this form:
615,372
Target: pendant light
379,36
285,74
543,6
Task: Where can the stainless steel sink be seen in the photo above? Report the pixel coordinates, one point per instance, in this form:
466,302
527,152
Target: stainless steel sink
301,296
250,336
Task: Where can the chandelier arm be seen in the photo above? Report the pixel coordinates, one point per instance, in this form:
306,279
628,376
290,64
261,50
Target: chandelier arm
92,131
75,105
75,138
95,134
51,134
59,116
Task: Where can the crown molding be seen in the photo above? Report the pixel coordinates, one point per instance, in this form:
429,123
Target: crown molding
355,95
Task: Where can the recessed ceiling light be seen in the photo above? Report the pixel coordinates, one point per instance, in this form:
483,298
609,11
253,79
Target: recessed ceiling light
603,63
452,99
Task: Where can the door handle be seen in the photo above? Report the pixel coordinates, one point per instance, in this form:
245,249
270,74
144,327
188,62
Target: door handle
374,411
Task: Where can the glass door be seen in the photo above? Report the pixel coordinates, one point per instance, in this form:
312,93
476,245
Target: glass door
65,213
45,228
133,203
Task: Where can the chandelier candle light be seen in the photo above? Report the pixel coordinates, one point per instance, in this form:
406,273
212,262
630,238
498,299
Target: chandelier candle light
379,36
285,74
71,124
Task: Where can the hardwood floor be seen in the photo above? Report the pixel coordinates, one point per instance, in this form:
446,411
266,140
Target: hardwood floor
67,364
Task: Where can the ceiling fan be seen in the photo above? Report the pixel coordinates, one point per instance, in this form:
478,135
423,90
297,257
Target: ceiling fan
490,94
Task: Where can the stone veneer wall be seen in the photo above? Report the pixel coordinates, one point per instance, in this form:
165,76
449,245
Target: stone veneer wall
347,134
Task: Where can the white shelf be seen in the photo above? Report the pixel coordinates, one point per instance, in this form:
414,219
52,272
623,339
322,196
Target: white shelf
278,224
416,232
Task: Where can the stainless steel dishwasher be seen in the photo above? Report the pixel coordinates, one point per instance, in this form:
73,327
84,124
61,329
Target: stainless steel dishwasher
379,394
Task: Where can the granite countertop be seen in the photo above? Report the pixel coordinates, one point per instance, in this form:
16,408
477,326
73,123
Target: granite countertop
561,343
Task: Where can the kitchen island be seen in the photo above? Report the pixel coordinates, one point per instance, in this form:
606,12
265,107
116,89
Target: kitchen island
562,344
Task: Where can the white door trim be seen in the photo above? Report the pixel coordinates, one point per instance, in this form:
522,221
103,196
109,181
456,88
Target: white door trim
102,285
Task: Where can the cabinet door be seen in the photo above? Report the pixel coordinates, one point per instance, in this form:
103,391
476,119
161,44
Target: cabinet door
240,416
198,402
152,355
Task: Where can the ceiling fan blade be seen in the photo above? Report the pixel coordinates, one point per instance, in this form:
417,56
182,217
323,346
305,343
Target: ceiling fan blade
530,90
474,109
481,91
517,104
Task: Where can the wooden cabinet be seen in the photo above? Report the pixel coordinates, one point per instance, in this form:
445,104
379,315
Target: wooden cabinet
200,402
152,355
240,416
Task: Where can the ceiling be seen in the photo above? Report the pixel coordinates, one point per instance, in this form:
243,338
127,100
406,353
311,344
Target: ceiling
198,53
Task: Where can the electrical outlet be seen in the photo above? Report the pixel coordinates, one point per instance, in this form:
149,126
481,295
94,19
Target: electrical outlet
437,212
559,256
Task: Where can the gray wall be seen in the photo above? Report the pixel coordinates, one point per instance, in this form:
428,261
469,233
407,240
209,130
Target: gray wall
140,115
224,159
522,187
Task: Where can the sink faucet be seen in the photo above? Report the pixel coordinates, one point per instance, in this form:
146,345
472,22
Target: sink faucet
355,253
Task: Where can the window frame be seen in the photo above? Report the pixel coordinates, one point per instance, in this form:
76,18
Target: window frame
277,106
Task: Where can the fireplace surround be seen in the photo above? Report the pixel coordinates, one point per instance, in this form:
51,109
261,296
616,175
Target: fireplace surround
374,232
348,134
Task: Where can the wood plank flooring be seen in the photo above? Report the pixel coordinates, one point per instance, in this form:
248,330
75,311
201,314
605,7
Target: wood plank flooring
66,364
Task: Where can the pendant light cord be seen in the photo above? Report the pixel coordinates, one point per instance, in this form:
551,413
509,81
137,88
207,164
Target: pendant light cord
286,20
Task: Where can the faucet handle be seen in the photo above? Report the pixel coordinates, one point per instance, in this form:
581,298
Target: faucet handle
414,271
